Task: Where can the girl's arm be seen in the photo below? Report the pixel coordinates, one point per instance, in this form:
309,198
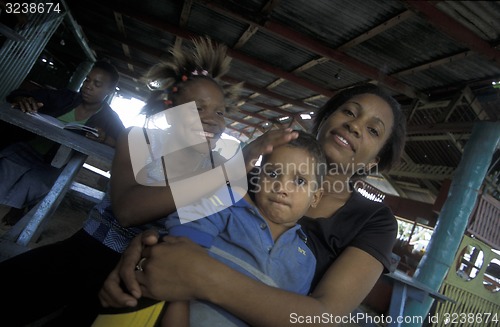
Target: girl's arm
136,204
132,203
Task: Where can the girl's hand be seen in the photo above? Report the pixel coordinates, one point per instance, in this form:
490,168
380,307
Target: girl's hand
265,144
121,288
173,270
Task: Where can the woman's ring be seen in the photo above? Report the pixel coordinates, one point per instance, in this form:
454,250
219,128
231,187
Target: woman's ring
138,266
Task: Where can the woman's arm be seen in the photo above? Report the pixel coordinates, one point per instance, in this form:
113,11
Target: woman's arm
345,284
178,269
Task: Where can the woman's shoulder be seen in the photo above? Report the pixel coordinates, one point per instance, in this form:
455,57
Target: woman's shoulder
358,202
359,215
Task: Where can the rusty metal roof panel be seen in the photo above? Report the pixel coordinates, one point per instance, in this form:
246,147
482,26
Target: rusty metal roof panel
293,91
236,125
247,108
167,10
250,107
335,22
204,21
148,35
248,8
270,115
332,75
408,44
295,110
276,52
481,17
471,68
250,74
261,98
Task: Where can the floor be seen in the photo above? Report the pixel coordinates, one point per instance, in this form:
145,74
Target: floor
67,219
70,214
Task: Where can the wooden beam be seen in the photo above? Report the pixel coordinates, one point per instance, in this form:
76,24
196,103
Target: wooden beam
419,171
388,24
454,29
439,128
437,137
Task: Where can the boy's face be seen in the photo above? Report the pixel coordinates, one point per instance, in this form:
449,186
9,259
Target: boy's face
288,186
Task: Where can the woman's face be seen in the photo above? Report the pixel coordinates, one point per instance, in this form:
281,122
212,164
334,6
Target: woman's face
211,110
353,135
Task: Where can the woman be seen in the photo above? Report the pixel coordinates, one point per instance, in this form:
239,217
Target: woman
73,270
352,237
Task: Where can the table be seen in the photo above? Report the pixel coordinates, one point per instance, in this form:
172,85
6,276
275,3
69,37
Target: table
73,152
402,287
405,287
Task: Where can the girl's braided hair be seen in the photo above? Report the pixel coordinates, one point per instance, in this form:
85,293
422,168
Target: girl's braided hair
206,60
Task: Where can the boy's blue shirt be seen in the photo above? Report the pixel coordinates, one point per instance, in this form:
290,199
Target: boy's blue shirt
239,237
240,231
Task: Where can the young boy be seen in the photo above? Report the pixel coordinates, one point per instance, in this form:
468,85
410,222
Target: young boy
258,235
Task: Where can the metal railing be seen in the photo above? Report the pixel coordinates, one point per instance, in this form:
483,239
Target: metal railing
476,302
485,222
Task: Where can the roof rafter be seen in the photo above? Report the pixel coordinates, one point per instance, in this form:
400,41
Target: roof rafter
453,29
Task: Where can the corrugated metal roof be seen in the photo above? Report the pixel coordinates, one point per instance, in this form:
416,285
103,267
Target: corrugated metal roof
293,54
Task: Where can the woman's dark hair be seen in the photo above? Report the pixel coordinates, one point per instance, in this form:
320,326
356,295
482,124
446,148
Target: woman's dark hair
393,148
109,69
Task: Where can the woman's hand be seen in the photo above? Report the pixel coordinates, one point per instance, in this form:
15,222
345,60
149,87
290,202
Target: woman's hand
121,288
265,144
26,104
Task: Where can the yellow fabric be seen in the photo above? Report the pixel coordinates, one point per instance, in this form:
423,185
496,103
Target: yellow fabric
146,317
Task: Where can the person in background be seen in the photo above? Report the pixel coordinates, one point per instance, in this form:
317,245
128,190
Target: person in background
25,166
361,129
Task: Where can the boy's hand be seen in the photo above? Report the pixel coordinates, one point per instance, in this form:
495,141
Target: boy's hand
26,104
